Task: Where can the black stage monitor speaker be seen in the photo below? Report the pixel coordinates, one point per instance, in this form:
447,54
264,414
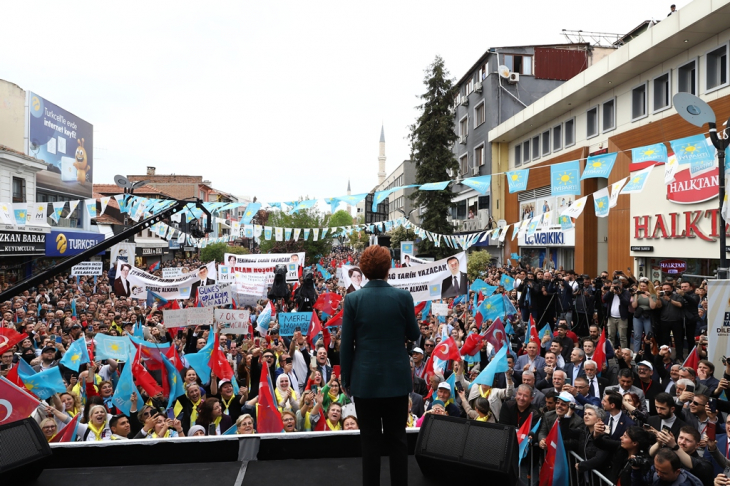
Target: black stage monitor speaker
23,449
479,449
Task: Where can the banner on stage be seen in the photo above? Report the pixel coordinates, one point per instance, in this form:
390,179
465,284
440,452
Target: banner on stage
266,263
133,282
718,321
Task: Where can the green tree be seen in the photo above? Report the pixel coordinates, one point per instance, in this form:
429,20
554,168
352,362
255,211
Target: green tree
340,218
306,218
476,264
401,234
216,251
431,139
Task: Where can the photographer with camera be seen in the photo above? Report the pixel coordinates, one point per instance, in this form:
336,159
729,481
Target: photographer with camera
562,289
671,319
630,450
617,300
667,470
525,300
585,303
644,301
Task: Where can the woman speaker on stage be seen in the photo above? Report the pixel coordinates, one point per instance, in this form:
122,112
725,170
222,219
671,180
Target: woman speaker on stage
377,322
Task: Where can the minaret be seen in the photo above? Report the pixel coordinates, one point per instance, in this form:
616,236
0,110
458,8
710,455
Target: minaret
381,157
349,192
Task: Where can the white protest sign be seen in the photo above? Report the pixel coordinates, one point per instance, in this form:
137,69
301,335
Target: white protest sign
200,316
243,300
440,309
246,283
234,321
87,268
172,272
442,279
175,317
214,295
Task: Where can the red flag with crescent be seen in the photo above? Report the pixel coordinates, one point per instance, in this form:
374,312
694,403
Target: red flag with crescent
447,350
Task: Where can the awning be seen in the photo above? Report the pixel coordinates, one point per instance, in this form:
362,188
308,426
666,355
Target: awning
106,230
465,195
143,242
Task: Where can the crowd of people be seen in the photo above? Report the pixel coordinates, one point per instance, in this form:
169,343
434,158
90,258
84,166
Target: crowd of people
637,417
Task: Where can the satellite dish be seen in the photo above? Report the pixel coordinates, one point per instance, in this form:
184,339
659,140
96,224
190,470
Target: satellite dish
503,71
693,109
122,181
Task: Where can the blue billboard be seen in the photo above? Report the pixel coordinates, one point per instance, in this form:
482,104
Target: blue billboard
69,243
65,142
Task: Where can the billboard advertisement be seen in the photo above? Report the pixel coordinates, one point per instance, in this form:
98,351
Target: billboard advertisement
65,142
67,243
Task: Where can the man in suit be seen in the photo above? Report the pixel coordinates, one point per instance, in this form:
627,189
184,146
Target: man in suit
531,361
665,416
596,384
558,382
204,280
321,364
121,284
538,397
575,369
544,375
377,321
455,284
626,385
616,420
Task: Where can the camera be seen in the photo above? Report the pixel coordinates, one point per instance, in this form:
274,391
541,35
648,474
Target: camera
640,461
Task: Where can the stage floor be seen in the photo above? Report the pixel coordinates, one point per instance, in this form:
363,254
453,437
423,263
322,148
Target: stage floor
301,472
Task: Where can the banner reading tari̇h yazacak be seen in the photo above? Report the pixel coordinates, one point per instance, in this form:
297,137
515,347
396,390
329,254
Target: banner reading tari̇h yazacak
135,283
442,279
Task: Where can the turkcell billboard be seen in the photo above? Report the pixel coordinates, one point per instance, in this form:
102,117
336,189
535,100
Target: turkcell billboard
65,142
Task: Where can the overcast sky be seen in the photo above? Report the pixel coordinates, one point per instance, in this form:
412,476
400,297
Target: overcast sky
273,99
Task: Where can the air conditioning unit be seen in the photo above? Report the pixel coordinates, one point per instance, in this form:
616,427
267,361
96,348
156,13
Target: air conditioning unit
475,171
462,140
478,87
465,100
514,78
483,215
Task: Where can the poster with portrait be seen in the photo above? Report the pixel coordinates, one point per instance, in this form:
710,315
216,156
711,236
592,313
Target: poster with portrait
442,279
266,263
527,210
564,202
133,282
352,278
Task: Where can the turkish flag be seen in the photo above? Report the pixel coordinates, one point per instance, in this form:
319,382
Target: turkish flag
419,307
335,320
143,378
174,358
267,413
9,338
496,334
447,350
692,360
218,363
328,302
534,336
315,327
471,344
67,433
15,404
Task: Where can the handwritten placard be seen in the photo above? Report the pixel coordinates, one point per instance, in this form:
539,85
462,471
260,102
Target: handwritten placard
289,321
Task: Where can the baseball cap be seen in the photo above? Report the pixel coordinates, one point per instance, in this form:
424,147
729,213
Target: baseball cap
444,385
647,364
417,350
566,397
223,382
48,348
437,402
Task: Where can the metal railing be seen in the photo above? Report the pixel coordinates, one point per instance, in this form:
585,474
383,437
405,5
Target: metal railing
530,471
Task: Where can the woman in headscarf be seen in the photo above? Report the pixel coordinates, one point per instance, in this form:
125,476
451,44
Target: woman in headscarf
98,427
211,413
244,425
286,397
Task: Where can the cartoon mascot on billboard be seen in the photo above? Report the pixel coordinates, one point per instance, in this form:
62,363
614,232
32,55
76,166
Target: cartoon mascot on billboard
81,164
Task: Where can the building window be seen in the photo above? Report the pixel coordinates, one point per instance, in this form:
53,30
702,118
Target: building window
687,78
592,122
479,114
518,155
526,151
717,68
557,137
609,115
638,102
518,64
662,93
479,156
569,132
483,72
464,126
18,190
464,163
545,143
536,147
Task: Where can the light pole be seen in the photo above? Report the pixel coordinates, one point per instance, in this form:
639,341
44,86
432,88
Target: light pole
699,113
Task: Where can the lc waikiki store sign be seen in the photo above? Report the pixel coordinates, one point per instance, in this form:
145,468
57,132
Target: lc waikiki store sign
677,220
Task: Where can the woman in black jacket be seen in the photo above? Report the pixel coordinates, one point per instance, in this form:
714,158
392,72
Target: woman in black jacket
594,458
635,442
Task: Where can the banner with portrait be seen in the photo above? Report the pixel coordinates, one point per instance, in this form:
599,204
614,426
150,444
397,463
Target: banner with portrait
442,279
266,263
408,260
352,278
133,282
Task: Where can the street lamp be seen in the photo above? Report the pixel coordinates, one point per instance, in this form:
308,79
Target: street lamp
699,113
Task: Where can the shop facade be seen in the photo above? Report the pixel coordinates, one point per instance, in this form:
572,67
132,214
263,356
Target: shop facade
675,227
550,248
21,249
